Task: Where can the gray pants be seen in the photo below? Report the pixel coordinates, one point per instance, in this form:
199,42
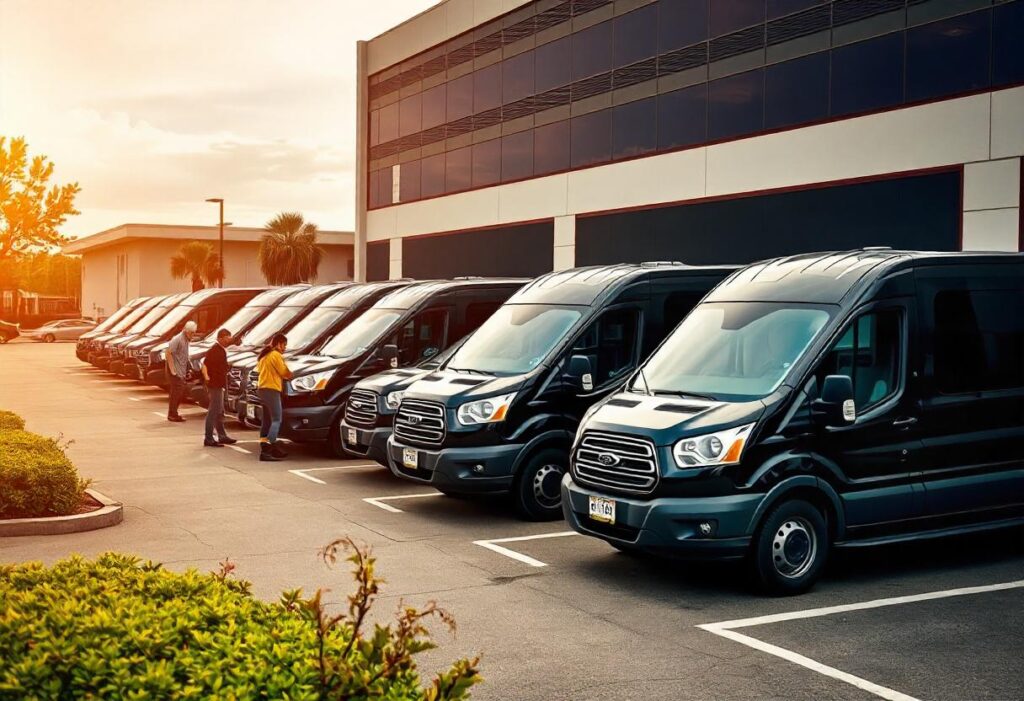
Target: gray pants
215,414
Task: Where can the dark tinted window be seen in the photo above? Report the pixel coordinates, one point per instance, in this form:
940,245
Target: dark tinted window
634,128
373,185
389,123
409,115
592,50
517,77
434,106
374,127
460,98
377,260
882,60
591,138
948,57
736,105
487,88
869,354
422,337
682,117
551,148
519,250
432,175
478,313
553,64
385,186
681,23
1007,52
517,156
486,163
796,91
409,183
730,15
778,8
610,343
458,169
635,35
677,306
979,340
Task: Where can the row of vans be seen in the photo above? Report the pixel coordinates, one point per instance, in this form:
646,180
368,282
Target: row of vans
768,413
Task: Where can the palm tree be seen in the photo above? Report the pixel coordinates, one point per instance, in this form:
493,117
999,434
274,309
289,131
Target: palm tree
288,252
196,260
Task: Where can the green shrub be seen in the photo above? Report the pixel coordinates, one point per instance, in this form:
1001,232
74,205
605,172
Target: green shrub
36,477
11,421
117,628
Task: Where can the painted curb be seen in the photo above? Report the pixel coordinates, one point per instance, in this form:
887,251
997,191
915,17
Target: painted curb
111,514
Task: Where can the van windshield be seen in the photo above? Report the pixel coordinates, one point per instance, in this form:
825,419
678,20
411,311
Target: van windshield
312,325
261,333
151,316
515,339
732,351
129,321
361,333
170,319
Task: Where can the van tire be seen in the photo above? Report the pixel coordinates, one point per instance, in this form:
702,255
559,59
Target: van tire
334,442
789,549
531,492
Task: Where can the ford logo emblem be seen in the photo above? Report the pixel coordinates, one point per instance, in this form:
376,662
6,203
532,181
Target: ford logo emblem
608,459
413,419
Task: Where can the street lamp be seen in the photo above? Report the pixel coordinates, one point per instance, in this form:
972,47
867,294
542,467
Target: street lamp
220,201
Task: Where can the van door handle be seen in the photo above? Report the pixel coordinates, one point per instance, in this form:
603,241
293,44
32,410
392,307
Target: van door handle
904,422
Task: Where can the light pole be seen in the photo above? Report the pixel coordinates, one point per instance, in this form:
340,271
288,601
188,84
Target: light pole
220,202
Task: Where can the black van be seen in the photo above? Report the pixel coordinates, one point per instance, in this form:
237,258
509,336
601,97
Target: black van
112,351
817,401
107,326
144,356
404,328
500,415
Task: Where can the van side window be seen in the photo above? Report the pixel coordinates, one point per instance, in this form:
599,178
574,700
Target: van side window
978,340
869,354
610,343
422,336
479,312
677,306
204,319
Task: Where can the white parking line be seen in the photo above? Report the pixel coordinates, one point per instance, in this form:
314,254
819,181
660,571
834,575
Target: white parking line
726,629
491,545
311,478
239,449
379,501
134,399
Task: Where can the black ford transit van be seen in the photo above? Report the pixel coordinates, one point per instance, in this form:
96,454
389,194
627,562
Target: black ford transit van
111,351
500,415
817,401
404,328
107,326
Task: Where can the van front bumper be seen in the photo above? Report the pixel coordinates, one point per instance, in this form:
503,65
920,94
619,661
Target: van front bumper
156,376
308,424
370,443
667,526
455,469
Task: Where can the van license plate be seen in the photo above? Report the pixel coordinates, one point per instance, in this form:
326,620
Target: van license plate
351,437
602,509
410,458
250,412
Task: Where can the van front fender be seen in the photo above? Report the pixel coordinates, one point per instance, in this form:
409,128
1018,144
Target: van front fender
797,486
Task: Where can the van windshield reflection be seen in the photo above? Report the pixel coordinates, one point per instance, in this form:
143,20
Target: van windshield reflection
361,333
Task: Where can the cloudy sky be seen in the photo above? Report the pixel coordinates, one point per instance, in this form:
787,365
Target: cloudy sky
152,105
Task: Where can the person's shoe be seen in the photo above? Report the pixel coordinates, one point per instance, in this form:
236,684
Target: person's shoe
227,440
266,454
278,451
176,419
212,444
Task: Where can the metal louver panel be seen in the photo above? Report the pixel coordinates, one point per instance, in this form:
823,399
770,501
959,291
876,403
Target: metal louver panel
817,19
635,73
741,42
595,85
683,59
845,11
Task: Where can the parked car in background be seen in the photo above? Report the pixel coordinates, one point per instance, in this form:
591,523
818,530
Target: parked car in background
66,330
8,331
109,324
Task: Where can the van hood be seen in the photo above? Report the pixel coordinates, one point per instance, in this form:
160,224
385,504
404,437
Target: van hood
241,358
455,388
308,364
142,341
392,380
667,419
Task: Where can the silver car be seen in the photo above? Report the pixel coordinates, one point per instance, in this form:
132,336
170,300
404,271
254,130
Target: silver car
63,330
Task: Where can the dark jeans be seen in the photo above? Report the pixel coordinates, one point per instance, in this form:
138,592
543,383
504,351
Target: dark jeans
215,414
270,399
176,393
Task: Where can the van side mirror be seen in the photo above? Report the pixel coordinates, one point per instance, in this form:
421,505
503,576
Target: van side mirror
579,373
389,354
835,406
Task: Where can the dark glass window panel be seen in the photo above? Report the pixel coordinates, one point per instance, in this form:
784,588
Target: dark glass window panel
487,88
385,186
460,98
683,117
592,51
978,340
681,23
553,64
1007,39
948,57
590,137
389,123
373,184
517,156
434,106
634,128
796,91
729,15
409,115
458,173
374,127
635,35
551,148
486,163
517,78
432,176
736,105
881,59
779,8
409,182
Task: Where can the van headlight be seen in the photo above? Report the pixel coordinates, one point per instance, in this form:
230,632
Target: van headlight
720,448
392,400
311,383
485,411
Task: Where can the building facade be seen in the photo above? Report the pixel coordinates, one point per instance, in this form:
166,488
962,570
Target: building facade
503,137
133,260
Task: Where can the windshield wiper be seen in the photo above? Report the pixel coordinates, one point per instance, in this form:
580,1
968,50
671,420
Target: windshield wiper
682,395
470,371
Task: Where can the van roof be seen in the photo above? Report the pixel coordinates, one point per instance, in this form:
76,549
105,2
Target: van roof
314,294
412,294
194,298
354,294
274,295
831,277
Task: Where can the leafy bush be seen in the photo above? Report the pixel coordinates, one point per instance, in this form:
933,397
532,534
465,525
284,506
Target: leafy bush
10,421
118,628
36,477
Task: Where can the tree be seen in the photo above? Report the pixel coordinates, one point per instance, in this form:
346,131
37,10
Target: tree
196,260
31,210
288,252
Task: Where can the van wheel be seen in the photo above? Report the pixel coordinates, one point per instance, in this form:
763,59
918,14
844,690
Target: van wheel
334,442
538,488
790,548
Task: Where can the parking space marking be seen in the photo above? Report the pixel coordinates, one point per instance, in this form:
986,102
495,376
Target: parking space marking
726,629
311,478
379,501
532,562
134,399
239,449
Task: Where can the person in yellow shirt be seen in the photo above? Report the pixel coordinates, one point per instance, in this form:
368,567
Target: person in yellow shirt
273,372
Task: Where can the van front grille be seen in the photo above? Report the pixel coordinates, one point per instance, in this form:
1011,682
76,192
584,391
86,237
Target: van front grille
420,422
251,386
234,383
616,461
361,408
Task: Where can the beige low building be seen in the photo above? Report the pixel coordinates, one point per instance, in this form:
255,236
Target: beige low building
132,260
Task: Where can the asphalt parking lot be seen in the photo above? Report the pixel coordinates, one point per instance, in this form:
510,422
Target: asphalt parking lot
555,615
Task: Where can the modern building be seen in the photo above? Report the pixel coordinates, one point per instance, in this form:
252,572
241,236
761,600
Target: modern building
512,137
134,259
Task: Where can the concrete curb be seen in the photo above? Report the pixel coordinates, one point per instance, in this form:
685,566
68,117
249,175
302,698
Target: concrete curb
111,514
